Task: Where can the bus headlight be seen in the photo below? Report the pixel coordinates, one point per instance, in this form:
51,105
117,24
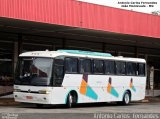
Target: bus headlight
44,91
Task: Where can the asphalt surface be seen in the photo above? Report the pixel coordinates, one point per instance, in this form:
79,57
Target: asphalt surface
87,111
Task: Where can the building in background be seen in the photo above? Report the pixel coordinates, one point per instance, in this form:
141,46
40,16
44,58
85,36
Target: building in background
30,25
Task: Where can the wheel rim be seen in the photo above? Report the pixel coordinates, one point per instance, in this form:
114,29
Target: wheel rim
70,100
126,98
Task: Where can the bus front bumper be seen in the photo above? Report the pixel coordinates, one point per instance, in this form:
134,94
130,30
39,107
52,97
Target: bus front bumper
32,98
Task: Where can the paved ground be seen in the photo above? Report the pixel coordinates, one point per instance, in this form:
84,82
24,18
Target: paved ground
85,108
27,111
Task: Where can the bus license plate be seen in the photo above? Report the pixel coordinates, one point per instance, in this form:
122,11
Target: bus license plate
29,97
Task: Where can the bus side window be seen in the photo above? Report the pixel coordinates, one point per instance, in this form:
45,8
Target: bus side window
120,68
109,67
58,71
98,66
84,66
131,68
71,65
141,69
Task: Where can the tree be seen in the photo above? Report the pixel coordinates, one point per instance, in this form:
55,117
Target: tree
156,12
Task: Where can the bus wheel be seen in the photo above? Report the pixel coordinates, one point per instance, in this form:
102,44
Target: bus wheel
39,105
71,100
126,98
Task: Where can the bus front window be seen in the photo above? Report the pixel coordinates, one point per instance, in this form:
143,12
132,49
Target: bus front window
34,71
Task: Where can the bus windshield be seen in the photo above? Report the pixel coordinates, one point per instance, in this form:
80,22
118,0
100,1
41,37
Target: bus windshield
34,71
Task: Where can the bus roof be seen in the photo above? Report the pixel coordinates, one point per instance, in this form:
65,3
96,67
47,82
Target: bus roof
78,53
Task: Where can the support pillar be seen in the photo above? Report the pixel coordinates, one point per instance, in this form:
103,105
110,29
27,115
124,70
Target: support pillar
63,43
18,48
103,47
136,52
20,44
15,55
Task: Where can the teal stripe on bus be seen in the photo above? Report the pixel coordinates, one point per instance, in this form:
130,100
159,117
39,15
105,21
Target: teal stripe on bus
86,53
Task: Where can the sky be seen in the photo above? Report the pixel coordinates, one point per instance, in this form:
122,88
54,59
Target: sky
140,3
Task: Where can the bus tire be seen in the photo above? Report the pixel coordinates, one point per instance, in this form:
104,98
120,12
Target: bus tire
126,98
71,100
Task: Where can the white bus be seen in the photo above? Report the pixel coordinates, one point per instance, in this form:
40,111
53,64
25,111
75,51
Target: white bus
73,76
